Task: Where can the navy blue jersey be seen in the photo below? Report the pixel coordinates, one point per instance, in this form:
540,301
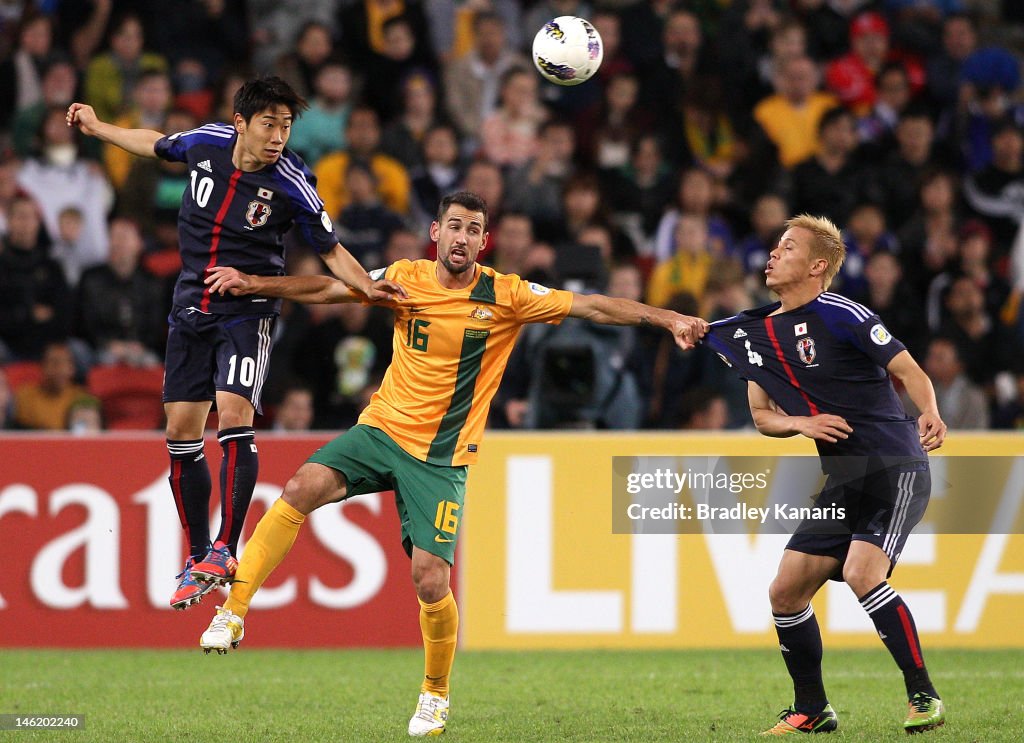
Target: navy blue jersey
231,218
828,356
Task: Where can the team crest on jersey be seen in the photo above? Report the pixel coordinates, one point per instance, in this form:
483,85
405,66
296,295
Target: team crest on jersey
481,313
258,213
805,348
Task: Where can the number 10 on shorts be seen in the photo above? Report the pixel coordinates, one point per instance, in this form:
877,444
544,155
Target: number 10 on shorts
246,370
446,520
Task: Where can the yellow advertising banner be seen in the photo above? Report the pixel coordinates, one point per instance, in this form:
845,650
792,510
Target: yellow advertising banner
541,567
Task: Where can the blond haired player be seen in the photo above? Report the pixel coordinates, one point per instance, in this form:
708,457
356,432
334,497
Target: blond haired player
424,426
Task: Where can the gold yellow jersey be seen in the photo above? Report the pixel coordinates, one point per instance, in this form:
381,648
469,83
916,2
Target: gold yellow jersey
450,351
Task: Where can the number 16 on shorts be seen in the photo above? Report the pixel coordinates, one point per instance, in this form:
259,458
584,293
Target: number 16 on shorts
446,520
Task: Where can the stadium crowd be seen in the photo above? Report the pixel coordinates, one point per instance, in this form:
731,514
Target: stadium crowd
666,178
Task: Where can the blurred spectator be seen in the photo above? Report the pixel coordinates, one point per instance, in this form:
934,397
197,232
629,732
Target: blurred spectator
745,44
210,32
700,409
59,178
21,73
695,197
59,83
708,134
66,248
9,188
453,25
791,116
973,331
894,299
643,27
85,416
508,137
323,125
685,57
831,182
34,299
962,405
928,238
973,260
45,405
852,77
484,179
276,24
313,48
363,140
877,126
403,137
640,191
151,195
343,357
400,62
150,102
582,207
472,83
365,224
689,265
996,192
193,89
827,28
110,76
959,40
900,172
918,24
119,309
866,233
767,222
608,24
510,241
363,29
6,403
403,244
1009,413
989,81
608,130
295,411
224,99
536,186
439,174
80,28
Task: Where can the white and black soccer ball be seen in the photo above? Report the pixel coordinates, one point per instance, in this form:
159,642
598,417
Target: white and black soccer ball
568,50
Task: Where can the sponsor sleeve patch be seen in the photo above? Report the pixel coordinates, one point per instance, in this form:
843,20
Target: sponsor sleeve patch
538,289
879,335
378,273
326,221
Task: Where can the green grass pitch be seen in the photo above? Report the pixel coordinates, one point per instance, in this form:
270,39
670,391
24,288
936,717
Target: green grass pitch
263,696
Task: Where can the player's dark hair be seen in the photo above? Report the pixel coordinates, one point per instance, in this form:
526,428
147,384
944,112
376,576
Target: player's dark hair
262,93
466,199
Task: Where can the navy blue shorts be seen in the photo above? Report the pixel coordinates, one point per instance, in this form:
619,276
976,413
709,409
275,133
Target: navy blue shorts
211,353
883,502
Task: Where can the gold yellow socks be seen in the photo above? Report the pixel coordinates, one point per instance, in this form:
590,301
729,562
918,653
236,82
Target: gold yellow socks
439,623
274,536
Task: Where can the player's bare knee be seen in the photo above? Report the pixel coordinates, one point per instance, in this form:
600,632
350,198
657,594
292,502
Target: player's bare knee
861,577
785,597
431,581
313,486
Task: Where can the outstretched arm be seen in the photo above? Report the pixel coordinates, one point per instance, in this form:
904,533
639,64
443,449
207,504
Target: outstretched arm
306,289
929,425
771,420
616,311
136,141
344,265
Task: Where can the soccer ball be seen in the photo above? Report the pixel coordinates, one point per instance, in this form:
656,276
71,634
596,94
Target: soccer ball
568,50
